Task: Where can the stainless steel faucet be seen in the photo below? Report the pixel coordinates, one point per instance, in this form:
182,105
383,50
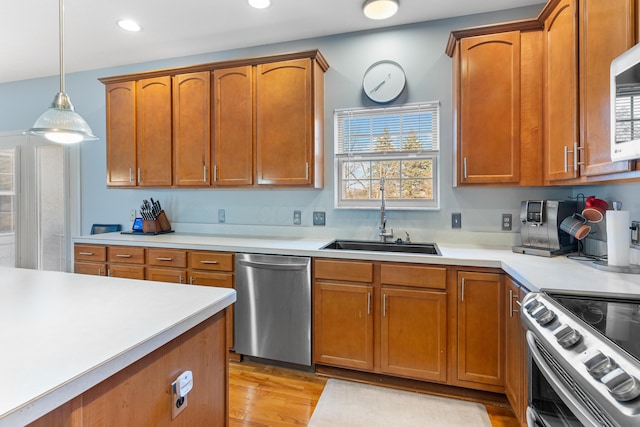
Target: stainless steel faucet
384,234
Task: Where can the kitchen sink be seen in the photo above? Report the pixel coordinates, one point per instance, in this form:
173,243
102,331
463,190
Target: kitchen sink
364,245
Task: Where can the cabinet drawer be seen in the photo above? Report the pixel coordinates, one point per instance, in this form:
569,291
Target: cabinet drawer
126,254
167,257
413,275
94,269
90,253
353,271
127,271
218,261
204,278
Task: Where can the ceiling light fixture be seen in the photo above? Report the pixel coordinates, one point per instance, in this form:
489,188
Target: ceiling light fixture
60,123
380,9
260,4
129,25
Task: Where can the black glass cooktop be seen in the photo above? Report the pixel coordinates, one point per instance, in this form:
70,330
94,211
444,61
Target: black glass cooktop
617,318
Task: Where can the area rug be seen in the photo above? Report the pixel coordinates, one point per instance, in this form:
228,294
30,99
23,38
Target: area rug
350,404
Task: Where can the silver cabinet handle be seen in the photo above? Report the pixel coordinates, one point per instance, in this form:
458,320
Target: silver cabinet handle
566,159
181,280
204,261
123,256
384,305
204,175
99,272
130,174
511,298
164,259
368,303
109,272
464,167
191,280
139,175
307,172
215,173
85,253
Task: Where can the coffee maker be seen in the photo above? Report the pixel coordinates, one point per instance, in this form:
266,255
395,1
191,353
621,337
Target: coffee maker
540,227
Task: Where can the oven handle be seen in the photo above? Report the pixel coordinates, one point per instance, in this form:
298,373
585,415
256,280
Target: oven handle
567,397
532,417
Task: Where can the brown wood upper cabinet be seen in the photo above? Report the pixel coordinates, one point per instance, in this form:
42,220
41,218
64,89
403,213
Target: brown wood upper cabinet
192,129
498,103
581,39
259,121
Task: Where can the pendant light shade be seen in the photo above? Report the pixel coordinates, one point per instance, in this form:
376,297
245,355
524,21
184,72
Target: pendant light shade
380,9
60,123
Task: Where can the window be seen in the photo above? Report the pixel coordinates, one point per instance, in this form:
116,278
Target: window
628,114
399,144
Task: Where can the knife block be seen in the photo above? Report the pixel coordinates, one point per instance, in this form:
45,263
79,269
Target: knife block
158,225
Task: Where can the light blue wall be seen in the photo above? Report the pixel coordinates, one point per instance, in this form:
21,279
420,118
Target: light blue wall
419,48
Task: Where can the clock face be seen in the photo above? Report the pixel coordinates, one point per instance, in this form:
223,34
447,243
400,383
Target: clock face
384,81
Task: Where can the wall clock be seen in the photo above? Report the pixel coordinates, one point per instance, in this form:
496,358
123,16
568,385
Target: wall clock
384,81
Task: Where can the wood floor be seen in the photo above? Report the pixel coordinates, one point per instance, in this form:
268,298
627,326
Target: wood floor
263,395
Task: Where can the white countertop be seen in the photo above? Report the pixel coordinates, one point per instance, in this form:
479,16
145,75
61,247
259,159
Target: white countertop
63,333
534,272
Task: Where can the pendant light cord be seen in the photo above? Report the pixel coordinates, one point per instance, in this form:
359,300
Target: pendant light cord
61,41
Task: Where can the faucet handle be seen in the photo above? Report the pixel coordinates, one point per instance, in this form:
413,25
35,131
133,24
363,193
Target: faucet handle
408,240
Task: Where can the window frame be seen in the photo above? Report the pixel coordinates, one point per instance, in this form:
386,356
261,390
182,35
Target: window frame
340,158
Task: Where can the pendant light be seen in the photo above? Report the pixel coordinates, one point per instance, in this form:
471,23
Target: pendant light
60,123
380,9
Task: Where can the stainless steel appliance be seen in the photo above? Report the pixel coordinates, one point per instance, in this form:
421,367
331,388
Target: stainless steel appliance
584,355
272,314
540,227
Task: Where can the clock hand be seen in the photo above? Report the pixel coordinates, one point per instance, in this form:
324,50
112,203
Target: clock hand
375,89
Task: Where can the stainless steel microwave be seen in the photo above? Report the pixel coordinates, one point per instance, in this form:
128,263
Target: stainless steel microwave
625,105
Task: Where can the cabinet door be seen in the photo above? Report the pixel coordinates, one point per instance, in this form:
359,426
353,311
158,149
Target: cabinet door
154,132
192,129
171,275
343,325
220,280
121,134
94,269
126,271
607,30
233,126
284,123
489,140
414,334
515,360
561,92
480,328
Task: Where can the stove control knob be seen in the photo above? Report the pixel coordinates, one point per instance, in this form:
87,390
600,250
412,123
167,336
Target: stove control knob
543,315
622,386
598,364
567,336
531,305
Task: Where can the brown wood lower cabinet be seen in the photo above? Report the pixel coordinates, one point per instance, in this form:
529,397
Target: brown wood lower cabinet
138,395
481,329
366,320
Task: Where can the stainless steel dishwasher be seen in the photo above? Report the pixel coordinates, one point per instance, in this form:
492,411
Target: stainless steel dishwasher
272,313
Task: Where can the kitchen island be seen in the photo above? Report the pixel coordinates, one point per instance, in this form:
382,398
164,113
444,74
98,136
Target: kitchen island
82,350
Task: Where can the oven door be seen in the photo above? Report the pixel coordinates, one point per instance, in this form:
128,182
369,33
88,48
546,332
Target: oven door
551,402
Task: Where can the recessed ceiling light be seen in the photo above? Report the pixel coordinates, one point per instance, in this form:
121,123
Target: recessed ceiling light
260,4
129,25
380,9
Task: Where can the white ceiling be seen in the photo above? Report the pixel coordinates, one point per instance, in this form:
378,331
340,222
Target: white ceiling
29,28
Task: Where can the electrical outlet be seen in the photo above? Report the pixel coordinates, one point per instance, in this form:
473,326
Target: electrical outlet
318,218
297,217
456,220
132,215
506,222
221,216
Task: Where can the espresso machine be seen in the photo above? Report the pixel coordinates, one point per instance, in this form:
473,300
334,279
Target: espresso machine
540,227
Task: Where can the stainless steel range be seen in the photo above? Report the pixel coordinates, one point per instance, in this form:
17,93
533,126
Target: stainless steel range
584,359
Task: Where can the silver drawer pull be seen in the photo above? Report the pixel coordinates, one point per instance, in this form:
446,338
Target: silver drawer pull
164,259
123,255
208,262
85,253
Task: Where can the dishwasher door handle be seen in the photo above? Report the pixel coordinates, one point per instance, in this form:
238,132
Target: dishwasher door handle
272,266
